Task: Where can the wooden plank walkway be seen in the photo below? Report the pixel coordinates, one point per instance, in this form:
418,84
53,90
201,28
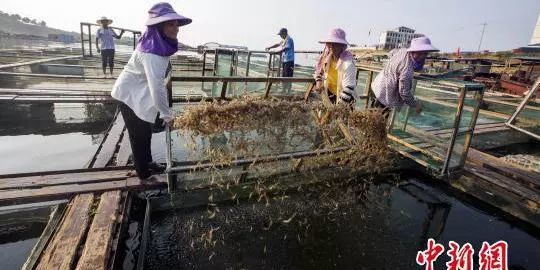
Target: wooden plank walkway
39,61
506,186
109,145
88,235
38,188
96,252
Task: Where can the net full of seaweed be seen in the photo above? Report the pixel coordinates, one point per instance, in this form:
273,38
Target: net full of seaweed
343,142
255,128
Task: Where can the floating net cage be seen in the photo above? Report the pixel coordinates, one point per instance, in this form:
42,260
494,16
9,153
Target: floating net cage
252,171
526,118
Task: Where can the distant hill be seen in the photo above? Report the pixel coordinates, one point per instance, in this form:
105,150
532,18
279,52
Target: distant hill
14,24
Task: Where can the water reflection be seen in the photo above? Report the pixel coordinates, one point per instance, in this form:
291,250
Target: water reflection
19,232
381,227
36,137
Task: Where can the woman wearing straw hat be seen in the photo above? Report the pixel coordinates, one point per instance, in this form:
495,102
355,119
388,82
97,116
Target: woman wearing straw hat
142,86
335,71
106,35
392,86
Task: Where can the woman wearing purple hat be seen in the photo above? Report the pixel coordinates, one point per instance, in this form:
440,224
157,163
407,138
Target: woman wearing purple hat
392,86
141,87
335,71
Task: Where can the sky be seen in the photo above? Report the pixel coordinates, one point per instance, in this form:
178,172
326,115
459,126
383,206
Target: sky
254,23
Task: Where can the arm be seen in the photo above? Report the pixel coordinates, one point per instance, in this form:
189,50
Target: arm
348,81
98,34
273,46
155,69
117,36
97,44
405,85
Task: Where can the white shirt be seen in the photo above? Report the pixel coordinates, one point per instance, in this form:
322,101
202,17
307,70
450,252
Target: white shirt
142,86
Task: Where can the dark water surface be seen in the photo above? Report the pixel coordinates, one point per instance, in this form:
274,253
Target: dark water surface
359,226
40,137
19,232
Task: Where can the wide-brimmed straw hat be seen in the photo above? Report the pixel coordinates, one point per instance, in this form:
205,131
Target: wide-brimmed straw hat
421,44
336,36
162,12
103,18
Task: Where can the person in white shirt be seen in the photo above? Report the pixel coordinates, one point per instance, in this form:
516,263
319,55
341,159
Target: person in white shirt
106,35
141,88
335,71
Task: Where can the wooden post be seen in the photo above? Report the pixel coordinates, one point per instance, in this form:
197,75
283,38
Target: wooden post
224,89
308,91
90,39
367,89
82,40
268,87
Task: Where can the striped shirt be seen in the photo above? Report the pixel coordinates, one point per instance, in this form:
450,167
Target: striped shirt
106,36
393,84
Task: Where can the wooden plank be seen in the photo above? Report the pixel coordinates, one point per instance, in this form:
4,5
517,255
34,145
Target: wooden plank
430,153
527,177
96,250
122,158
503,182
61,252
61,179
499,197
65,191
53,92
478,127
108,146
39,61
52,76
85,170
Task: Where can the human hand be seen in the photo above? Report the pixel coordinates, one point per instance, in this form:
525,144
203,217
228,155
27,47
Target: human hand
98,50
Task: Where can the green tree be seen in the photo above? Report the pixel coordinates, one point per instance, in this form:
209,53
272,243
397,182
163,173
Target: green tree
25,20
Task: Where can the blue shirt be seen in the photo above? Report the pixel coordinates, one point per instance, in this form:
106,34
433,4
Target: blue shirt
106,37
288,50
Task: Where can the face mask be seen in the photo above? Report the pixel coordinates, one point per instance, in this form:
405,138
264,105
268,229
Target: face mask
418,65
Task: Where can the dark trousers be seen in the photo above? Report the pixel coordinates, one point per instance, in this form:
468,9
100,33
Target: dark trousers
140,137
107,57
287,70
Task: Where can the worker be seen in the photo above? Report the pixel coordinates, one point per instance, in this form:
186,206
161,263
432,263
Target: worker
141,87
105,34
335,71
286,49
393,85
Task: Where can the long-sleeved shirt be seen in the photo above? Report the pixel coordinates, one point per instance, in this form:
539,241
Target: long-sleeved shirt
393,84
106,35
346,74
142,86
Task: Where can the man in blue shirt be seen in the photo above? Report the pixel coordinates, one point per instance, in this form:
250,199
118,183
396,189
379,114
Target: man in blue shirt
286,49
105,34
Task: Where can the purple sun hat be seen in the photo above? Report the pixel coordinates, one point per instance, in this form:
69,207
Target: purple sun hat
421,44
162,12
336,36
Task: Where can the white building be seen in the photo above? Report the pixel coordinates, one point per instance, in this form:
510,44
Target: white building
535,39
398,38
